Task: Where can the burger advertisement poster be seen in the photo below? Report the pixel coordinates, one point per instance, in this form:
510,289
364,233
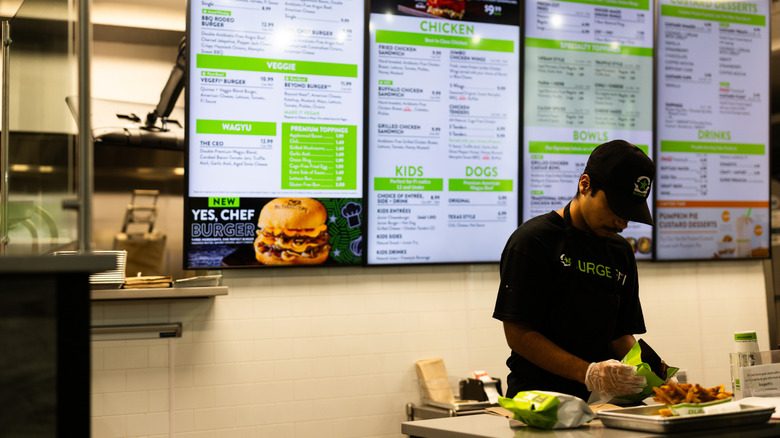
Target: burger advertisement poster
274,158
289,231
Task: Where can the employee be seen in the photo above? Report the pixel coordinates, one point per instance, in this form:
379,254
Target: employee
569,292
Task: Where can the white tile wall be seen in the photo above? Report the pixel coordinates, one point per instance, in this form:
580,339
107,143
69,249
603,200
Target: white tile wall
330,352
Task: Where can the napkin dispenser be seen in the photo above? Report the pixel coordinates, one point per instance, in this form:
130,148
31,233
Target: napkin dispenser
480,390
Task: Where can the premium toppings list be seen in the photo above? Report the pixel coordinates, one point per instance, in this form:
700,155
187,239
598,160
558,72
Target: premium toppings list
275,95
588,80
443,139
713,113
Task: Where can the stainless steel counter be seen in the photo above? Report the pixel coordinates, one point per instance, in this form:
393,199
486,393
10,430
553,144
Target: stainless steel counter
494,426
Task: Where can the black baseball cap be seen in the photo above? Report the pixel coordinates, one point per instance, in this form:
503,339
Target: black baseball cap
625,173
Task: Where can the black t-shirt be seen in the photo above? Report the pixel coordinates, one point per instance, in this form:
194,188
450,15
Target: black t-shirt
579,290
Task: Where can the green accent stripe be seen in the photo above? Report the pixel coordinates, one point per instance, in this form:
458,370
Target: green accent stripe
234,127
699,147
580,46
631,4
276,65
216,12
409,184
555,147
446,41
480,185
745,336
706,14
225,202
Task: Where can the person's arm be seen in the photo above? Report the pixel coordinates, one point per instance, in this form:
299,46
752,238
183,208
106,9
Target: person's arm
622,345
609,377
544,353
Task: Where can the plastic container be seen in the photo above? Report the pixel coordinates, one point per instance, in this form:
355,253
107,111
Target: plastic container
746,342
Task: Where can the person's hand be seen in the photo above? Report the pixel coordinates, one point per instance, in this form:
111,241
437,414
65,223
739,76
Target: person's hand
614,378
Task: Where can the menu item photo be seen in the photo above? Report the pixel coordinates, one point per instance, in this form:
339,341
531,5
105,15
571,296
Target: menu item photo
292,231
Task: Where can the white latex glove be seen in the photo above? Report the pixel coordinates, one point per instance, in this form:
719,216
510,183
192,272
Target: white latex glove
613,378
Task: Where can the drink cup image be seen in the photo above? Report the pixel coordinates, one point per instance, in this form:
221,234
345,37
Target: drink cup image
744,228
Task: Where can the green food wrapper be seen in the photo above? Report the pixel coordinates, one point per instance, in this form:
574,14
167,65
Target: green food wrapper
548,410
646,360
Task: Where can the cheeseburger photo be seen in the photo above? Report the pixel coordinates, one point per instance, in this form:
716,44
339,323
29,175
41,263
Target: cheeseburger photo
292,231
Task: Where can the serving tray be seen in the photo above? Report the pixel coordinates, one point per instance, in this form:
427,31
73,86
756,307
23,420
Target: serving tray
645,418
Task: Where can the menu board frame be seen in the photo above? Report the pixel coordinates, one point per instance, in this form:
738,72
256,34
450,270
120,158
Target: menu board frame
724,251
589,72
349,226
370,203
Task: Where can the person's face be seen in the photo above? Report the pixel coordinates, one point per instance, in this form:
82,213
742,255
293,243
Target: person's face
598,217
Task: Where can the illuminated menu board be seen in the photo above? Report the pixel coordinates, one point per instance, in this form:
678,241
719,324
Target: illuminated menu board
712,186
588,80
275,119
443,130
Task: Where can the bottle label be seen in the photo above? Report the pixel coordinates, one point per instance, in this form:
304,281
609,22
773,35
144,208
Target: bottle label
745,337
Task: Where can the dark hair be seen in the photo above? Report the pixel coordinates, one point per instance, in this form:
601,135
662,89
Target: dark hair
595,186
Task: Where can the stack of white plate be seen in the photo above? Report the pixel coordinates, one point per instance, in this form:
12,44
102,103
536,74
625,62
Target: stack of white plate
111,279
114,278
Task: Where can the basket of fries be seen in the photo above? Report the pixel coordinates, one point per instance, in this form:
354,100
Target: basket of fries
684,399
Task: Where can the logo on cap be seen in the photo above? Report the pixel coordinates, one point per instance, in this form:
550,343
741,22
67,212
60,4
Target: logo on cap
642,186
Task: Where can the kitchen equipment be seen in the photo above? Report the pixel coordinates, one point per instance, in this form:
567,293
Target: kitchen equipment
145,247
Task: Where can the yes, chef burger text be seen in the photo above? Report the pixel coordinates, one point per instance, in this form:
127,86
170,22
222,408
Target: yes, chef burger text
292,231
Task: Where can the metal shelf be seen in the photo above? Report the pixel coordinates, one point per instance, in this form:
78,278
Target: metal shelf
157,293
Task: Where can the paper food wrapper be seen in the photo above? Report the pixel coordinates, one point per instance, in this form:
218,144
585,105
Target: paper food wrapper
548,410
713,407
649,365
434,382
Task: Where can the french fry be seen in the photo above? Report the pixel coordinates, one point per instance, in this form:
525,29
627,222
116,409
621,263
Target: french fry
673,393
662,397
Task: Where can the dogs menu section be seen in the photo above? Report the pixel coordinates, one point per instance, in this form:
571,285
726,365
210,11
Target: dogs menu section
443,130
712,187
588,79
275,95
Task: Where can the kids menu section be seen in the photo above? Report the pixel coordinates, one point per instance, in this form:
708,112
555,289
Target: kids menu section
275,97
443,131
712,187
588,80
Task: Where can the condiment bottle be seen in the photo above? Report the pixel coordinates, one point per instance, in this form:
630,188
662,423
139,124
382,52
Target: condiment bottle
746,342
